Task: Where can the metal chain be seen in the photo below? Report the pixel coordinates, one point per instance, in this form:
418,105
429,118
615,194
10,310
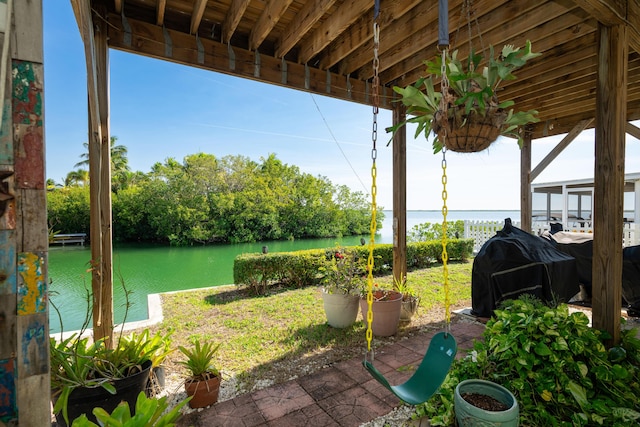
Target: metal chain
444,84
445,256
374,188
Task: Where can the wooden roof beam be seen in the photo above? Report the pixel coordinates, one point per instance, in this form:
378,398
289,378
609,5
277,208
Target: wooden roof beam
196,16
148,39
310,13
555,152
633,130
231,21
338,23
160,8
616,12
267,20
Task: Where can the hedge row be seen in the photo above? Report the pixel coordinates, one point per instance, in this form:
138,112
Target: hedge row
302,268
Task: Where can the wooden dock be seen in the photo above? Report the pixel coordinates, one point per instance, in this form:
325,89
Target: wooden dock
65,239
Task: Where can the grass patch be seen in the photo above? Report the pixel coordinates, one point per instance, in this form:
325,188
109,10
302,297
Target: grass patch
286,331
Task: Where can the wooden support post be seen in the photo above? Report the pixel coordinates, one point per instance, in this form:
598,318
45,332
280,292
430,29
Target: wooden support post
94,36
611,102
525,182
399,194
105,307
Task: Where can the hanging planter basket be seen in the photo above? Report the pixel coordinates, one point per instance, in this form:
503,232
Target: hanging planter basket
468,133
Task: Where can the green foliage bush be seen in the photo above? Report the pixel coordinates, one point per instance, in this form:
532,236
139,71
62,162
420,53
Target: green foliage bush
433,231
68,210
304,268
232,199
556,365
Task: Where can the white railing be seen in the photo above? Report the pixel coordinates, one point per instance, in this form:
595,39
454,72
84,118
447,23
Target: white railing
481,231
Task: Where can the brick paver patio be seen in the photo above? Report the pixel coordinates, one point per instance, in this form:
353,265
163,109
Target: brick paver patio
343,394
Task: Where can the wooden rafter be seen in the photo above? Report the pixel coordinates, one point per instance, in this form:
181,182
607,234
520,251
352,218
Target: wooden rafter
160,8
233,17
308,16
196,16
338,22
268,19
633,130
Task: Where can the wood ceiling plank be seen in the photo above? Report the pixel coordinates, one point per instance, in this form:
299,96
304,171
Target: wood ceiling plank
339,21
196,16
420,27
310,13
160,8
267,20
581,101
519,29
232,18
360,34
562,85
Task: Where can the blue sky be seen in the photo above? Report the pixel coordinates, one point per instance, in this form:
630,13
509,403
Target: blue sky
161,110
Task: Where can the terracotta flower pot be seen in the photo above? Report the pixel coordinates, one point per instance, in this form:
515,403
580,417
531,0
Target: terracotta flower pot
205,393
386,313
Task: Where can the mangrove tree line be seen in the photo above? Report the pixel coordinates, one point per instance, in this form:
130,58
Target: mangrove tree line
207,199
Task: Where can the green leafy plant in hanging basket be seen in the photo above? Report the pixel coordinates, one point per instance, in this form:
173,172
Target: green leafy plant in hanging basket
467,115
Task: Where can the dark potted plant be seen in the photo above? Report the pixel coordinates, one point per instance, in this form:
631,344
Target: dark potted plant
466,115
87,374
203,383
148,412
386,306
343,278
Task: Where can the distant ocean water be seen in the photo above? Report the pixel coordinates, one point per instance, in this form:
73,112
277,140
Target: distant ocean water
435,216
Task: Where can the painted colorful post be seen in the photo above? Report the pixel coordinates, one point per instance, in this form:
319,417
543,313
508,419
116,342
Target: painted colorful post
24,327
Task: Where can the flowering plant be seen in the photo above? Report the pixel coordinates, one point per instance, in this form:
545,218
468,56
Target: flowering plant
343,272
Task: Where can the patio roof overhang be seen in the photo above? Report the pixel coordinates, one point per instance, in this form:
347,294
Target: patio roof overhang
587,77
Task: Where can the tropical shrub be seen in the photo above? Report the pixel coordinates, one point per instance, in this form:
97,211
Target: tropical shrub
433,231
556,365
258,271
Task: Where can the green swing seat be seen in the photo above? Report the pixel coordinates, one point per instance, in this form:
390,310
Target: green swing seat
429,376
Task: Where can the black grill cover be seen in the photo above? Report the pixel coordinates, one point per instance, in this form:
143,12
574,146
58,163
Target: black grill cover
514,262
583,253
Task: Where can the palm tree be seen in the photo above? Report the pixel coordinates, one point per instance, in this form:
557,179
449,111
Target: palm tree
77,177
119,163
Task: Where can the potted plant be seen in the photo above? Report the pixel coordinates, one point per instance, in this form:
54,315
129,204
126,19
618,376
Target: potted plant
410,299
386,306
157,347
203,383
466,115
482,402
86,374
343,278
148,412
